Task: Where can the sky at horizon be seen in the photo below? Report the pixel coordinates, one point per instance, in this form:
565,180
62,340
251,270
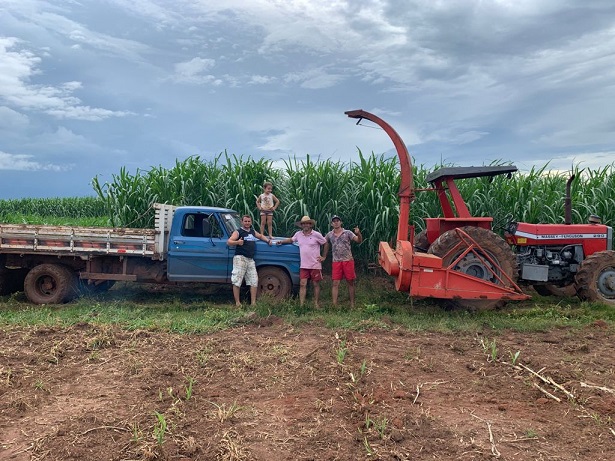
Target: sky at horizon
90,86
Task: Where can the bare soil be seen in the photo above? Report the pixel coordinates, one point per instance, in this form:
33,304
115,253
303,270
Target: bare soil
270,391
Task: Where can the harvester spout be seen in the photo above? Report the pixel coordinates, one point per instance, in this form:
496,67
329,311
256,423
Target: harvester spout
406,188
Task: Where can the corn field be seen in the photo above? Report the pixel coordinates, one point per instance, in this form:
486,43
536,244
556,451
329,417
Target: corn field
362,192
85,211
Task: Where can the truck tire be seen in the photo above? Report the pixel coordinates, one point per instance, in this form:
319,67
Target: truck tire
50,284
273,282
596,278
493,245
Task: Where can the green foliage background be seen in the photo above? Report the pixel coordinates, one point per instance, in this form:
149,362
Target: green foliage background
362,192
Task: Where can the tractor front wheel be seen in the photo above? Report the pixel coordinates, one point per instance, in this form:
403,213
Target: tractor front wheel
494,246
596,278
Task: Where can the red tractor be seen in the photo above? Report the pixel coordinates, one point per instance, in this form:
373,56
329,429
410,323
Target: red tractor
556,259
460,259
566,259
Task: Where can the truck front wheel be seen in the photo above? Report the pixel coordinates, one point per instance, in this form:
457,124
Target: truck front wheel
50,284
273,282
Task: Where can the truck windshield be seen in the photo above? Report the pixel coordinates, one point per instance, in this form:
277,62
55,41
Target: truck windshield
231,221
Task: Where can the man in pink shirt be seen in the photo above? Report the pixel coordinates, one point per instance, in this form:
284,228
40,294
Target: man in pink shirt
309,242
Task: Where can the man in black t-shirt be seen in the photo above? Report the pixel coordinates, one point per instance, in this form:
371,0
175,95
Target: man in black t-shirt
244,241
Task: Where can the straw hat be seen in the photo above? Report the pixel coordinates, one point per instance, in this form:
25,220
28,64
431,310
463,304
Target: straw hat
306,219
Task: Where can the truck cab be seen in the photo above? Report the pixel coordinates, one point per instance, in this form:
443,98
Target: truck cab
197,251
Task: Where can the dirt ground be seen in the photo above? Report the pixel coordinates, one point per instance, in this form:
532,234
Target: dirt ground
269,391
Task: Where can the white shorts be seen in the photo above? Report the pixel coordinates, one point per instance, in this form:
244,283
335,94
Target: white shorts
244,268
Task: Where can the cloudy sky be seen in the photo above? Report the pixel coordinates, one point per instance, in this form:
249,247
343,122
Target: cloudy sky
88,87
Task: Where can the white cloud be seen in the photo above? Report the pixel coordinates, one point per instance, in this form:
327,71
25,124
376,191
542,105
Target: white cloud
17,68
64,138
567,161
457,80
19,162
326,134
314,79
195,71
260,80
53,17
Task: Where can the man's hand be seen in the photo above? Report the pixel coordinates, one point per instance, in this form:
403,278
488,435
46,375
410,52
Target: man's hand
239,241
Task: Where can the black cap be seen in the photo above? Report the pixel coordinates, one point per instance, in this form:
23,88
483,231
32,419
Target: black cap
335,217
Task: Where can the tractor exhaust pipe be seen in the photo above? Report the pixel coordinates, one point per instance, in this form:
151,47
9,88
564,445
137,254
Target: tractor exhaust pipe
568,202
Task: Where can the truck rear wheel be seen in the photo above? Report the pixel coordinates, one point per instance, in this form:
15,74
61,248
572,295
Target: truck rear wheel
273,282
493,245
50,284
596,278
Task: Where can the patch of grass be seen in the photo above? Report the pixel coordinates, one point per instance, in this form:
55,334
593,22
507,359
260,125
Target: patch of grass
342,350
189,387
138,307
530,433
224,412
39,385
490,348
160,428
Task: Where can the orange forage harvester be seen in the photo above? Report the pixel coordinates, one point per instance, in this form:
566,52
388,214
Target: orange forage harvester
468,265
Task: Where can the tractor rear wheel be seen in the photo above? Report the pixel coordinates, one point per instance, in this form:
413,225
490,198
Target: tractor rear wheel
554,290
596,278
494,246
421,244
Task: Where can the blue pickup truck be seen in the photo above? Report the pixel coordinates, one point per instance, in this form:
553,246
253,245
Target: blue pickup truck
53,264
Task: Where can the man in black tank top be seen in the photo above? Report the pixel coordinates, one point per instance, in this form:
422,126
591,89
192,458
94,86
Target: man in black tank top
244,241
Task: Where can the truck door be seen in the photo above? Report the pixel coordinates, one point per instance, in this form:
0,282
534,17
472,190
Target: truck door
199,251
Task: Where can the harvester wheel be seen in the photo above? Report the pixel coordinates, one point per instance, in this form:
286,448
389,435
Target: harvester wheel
596,278
421,244
554,290
495,247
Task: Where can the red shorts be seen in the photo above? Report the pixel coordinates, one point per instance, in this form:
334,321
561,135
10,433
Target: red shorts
313,274
343,270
